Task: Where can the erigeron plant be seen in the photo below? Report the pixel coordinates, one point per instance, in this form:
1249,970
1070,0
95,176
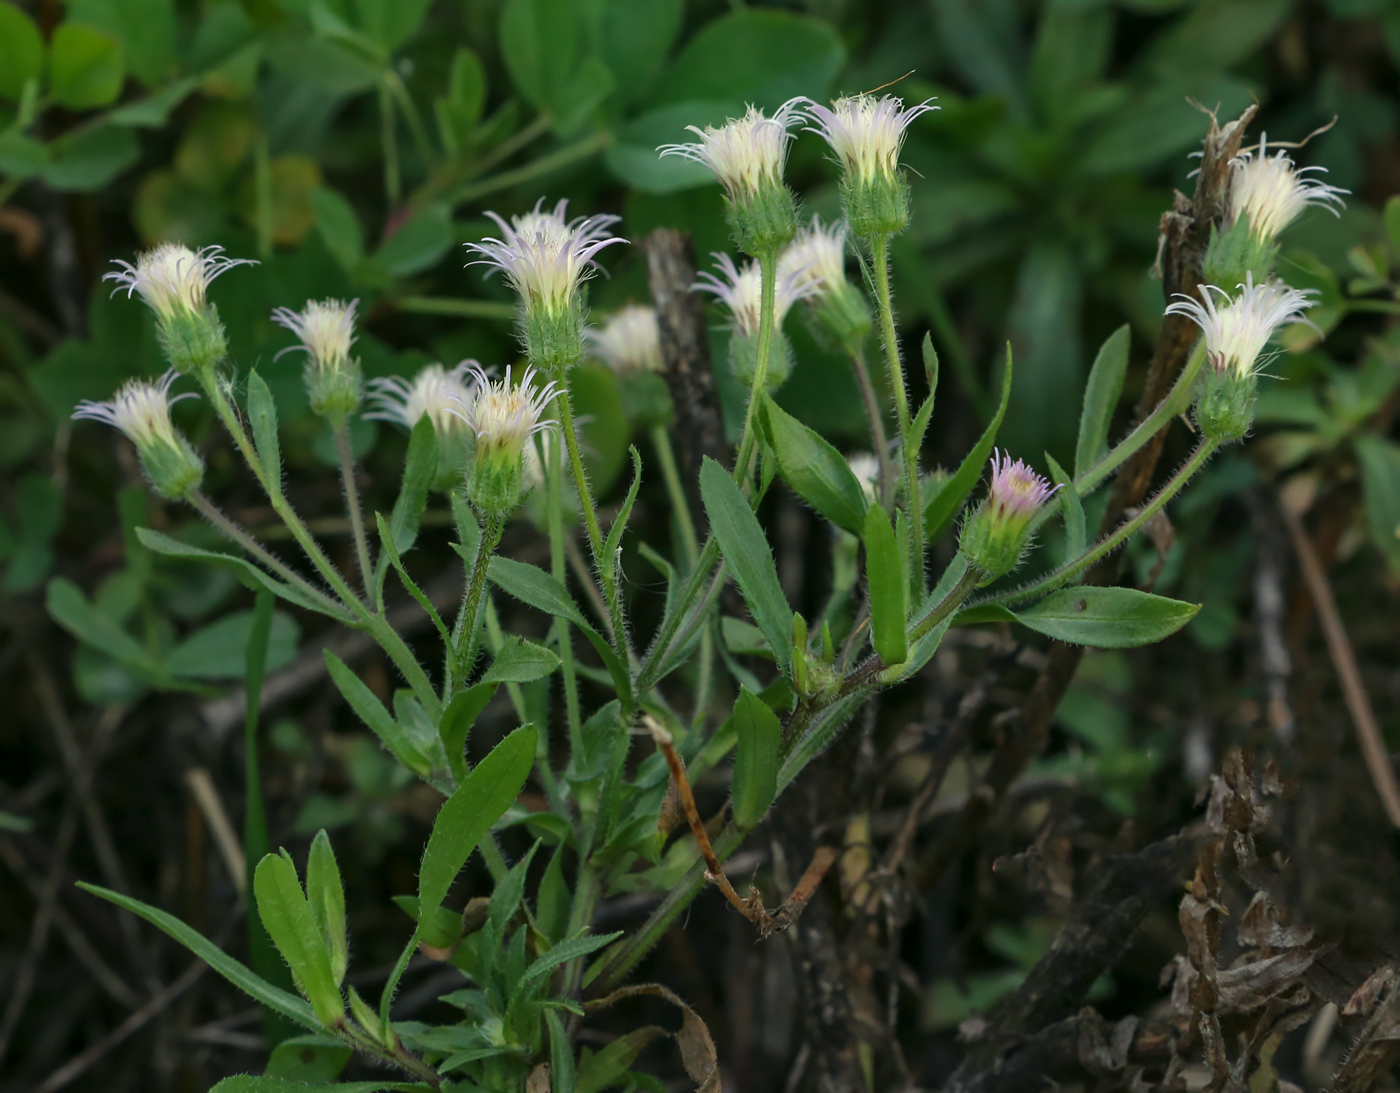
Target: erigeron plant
471,430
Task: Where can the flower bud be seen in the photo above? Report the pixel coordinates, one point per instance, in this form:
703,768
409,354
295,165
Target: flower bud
748,156
141,410
327,331
173,280
741,291
444,398
995,537
503,418
630,344
867,135
840,317
546,259
812,674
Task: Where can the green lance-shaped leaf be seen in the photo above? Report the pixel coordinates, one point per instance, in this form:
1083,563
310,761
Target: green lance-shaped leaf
372,712
289,1005
760,737
941,511
816,471
457,721
922,418
884,573
1076,533
1106,618
521,661
1101,398
326,895
741,541
289,921
467,816
262,414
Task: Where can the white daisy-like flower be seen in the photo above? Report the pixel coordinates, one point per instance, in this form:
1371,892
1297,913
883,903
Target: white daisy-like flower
173,279
443,395
866,468
140,409
866,133
1238,328
326,329
544,256
1272,190
503,416
817,257
629,341
746,154
741,291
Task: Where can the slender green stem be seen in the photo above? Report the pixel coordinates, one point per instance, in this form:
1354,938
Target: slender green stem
768,267
554,501
950,603
878,439
581,909
603,566
416,129
880,261
469,630
397,650
341,429
570,153
661,644
680,505
461,309
1066,573
389,140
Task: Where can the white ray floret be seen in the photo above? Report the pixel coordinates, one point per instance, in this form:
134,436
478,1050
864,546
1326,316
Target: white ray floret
1237,328
741,291
1272,190
866,133
173,279
443,395
326,329
503,415
746,154
140,409
629,341
817,257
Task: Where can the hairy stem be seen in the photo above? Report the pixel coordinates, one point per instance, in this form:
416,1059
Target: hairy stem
469,628
341,429
768,267
554,501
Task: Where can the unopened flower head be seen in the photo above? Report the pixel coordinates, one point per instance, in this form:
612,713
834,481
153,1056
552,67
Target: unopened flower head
174,280
748,155
629,341
327,331
741,292
503,418
817,257
867,135
546,258
866,468
441,395
994,538
1272,190
1237,331
141,410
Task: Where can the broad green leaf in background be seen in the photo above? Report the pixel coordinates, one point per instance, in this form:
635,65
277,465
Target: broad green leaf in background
1159,123
21,51
85,66
418,244
760,737
339,228
888,582
459,111
541,43
1101,395
745,548
632,155
467,816
87,158
75,613
816,471
217,651
943,509
287,916
145,29
633,38
1215,36
20,156
1380,483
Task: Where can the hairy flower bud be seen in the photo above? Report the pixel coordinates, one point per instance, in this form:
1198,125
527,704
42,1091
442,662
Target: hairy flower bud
839,313
173,280
748,156
327,331
141,410
994,538
546,259
441,395
867,135
502,418
630,344
741,292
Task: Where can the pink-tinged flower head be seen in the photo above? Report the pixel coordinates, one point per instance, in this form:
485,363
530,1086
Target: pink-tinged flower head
995,536
748,154
440,394
503,416
1272,190
326,329
1016,492
1238,328
544,256
866,133
173,279
741,291
141,410
629,341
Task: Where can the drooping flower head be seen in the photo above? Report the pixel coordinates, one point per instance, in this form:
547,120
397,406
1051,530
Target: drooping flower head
1272,190
327,331
503,418
741,292
546,258
748,156
1237,330
141,410
994,538
629,341
441,395
174,280
867,135
817,256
